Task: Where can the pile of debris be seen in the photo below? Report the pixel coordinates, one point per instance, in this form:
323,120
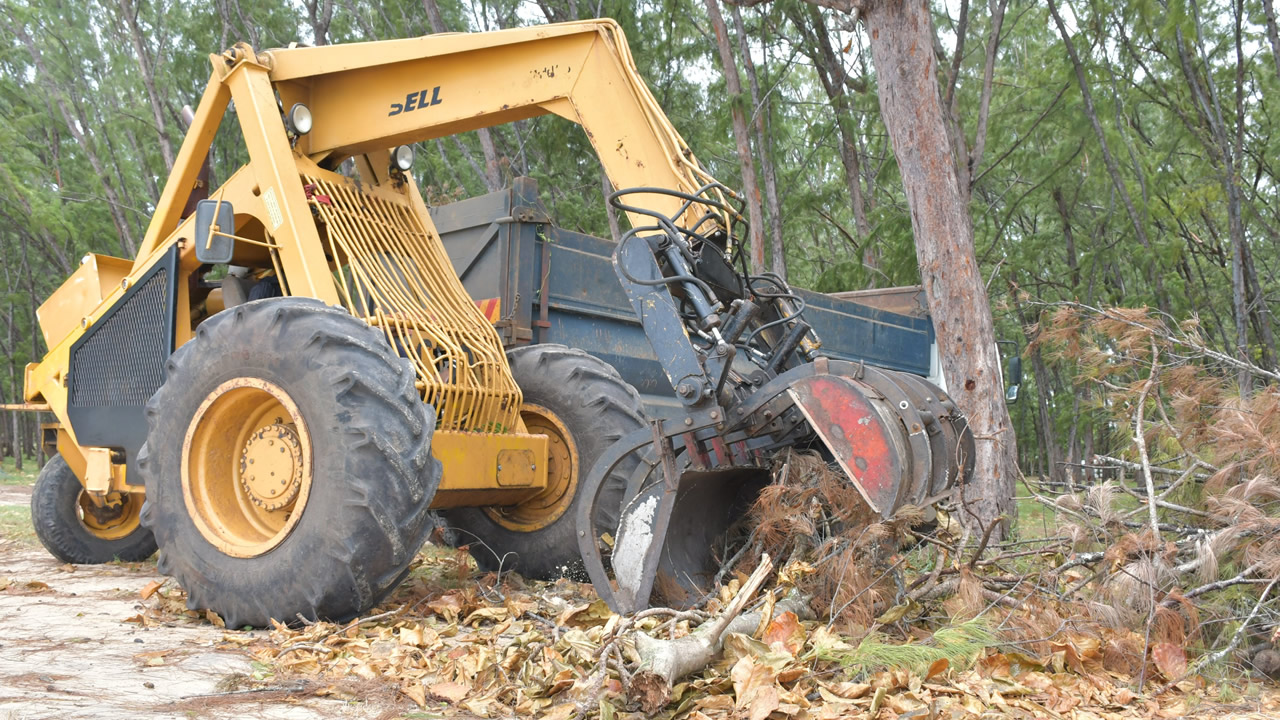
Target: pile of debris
856,619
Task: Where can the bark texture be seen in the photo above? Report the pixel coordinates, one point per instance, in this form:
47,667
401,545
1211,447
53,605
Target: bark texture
910,103
733,86
759,118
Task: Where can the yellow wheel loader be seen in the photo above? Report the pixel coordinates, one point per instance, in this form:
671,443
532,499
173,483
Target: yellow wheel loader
290,376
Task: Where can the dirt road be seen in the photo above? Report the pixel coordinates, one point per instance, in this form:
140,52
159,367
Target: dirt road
67,650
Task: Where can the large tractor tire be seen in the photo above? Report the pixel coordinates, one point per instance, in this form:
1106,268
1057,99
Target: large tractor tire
288,465
583,405
75,530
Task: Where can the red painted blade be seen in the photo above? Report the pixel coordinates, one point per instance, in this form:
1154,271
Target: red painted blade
861,432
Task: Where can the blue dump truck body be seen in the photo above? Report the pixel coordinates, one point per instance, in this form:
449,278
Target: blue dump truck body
558,286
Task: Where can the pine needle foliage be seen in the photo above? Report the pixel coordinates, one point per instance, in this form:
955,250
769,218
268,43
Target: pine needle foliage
959,644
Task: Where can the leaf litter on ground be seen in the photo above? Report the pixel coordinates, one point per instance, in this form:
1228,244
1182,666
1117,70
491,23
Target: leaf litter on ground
454,641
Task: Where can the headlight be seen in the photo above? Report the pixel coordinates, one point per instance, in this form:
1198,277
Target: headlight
299,119
402,157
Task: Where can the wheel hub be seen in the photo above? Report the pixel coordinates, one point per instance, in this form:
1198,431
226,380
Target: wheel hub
547,506
246,466
115,518
271,466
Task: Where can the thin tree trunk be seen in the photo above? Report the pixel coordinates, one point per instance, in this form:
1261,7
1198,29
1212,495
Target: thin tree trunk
733,86
491,176
320,13
817,46
114,206
615,230
764,145
1273,35
1053,453
148,79
14,380
911,104
1113,169
1073,262
984,101
1210,109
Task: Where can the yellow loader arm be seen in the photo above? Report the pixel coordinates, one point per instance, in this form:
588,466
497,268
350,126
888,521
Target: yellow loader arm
368,97
375,250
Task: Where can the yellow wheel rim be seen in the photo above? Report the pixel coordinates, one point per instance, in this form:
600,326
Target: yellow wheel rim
246,466
547,506
113,521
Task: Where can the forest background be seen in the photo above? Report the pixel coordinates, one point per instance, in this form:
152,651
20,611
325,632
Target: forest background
1115,154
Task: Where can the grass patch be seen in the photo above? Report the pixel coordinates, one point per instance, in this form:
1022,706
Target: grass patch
15,524
1035,519
10,475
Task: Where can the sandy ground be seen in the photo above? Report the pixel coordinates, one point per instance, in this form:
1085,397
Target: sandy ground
66,650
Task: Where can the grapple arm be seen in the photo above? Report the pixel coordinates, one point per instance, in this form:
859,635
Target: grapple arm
751,379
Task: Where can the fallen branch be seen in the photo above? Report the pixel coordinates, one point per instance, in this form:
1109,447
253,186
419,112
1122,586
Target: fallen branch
1211,658
663,662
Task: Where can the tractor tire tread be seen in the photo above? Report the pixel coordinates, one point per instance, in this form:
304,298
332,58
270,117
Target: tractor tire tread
598,407
55,519
365,519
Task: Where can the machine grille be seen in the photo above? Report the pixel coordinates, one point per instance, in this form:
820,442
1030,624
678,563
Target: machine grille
395,274
120,362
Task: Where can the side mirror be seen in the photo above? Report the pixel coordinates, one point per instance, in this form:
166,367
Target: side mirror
215,223
1014,382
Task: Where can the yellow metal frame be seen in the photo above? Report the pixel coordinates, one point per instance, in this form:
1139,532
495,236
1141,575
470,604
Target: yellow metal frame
369,244
488,468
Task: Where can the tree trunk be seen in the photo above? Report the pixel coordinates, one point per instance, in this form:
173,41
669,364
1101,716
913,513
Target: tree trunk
114,207
733,86
615,230
1113,169
816,44
1273,35
490,175
984,100
911,105
148,79
1225,156
1073,262
320,13
760,111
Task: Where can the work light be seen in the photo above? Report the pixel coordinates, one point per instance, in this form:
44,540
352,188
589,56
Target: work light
402,157
299,119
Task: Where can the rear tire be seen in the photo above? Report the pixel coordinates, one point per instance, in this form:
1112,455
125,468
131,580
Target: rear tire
56,516
363,508
596,406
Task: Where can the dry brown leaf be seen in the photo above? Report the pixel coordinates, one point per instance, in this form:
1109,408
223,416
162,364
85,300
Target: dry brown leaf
450,691
415,692
486,613
447,606
586,615
764,703
938,667
749,679
847,690
786,631
1170,658
152,659
150,589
